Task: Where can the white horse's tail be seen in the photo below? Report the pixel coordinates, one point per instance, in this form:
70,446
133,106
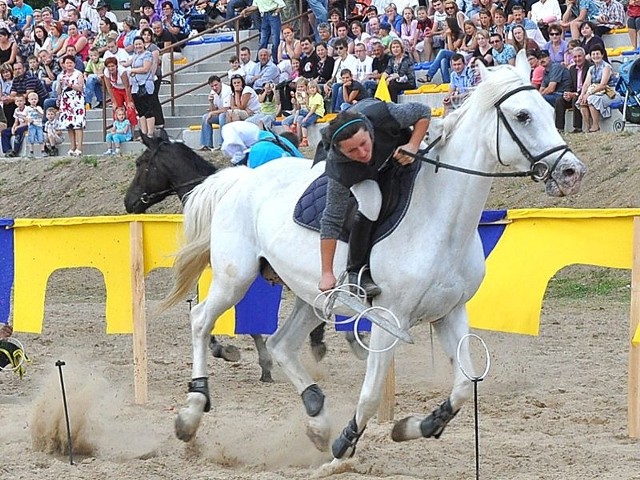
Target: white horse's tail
193,257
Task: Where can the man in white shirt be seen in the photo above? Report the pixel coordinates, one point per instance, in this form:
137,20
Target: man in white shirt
113,51
245,60
342,61
90,14
363,64
219,103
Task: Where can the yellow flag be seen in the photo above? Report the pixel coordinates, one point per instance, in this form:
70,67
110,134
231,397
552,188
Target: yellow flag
382,92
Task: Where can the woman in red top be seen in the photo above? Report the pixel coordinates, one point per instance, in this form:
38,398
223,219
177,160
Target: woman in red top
633,21
77,40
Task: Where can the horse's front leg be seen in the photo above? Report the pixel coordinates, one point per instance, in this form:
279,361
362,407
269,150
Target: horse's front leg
285,347
377,367
450,330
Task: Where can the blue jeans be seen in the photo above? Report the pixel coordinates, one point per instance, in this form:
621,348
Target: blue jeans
319,9
206,133
552,97
370,86
442,63
92,87
17,143
232,5
271,25
336,97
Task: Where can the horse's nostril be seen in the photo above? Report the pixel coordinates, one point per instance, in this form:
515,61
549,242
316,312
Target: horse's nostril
569,172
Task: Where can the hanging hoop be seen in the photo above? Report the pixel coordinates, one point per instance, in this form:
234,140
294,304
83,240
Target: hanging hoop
488,358
357,335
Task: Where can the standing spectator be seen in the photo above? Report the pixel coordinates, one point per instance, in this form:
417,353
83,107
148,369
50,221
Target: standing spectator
147,38
142,74
577,74
611,16
121,132
219,104
555,79
399,73
24,14
116,79
633,21
270,24
242,7
501,52
17,130
8,48
52,133
597,93
71,98
93,74
35,116
263,72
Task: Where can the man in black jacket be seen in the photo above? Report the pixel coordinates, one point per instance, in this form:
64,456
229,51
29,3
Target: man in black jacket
578,73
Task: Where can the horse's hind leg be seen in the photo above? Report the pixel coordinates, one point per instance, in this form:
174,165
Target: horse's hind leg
264,359
450,331
285,347
229,353
223,294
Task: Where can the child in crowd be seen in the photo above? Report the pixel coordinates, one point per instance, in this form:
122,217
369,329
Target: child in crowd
385,35
52,133
93,72
120,132
269,107
235,69
568,55
425,24
309,106
35,116
409,33
18,129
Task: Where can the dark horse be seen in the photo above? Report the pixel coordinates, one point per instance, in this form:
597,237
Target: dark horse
166,168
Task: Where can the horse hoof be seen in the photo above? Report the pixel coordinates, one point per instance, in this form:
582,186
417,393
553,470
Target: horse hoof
318,430
319,352
266,377
406,429
184,431
229,353
188,419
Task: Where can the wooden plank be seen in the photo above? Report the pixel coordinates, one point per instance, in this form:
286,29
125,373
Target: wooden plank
140,367
633,399
388,402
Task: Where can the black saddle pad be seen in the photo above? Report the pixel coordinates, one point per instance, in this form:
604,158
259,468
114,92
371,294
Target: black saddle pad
396,184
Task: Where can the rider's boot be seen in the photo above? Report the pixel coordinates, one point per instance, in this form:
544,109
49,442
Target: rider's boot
359,249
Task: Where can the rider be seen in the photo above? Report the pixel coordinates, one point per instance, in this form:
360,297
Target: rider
358,143
246,144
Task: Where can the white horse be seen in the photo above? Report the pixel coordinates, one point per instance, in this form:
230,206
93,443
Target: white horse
428,268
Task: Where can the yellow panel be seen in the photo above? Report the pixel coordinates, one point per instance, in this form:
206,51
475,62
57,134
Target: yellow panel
226,323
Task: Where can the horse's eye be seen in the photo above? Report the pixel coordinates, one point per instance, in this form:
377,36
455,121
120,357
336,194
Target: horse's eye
522,116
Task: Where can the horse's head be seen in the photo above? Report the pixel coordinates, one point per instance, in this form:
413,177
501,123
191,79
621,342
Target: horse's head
151,183
163,169
524,133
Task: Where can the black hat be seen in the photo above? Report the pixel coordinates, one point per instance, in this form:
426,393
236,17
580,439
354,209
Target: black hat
147,3
102,4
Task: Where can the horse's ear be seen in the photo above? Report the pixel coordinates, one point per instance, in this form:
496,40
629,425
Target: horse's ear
147,141
522,66
163,135
482,70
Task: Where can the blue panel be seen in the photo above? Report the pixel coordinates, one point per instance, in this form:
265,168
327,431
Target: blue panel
257,312
490,234
6,267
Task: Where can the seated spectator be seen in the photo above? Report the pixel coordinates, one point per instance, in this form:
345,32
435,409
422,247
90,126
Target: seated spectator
386,35
325,65
163,38
120,132
462,81
245,60
289,47
204,15
265,71
324,35
545,13
106,31
128,34
529,25
500,23
17,130
149,12
589,39
454,38
423,26
483,50
557,46
392,18
70,51
342,34
568,55
219,104
343,60
358,33
174,22
555,79
598,92
78,41
364,64
269,107
93,74
378,66
244,100
23,13
8,47
309,107
501,52
236,68
577,74
537,70
84,26
113,51
611,16
352,92
399,73
409,33
58,39
89,13
578,12
520,41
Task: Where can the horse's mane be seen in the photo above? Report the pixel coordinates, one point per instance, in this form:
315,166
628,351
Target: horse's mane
500,80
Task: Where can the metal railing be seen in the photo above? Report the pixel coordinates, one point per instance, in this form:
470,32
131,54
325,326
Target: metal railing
182,43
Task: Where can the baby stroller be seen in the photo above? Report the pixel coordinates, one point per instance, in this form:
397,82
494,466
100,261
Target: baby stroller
628,86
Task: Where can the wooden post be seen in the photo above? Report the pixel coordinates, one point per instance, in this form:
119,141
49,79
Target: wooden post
633,404
138,311
388,402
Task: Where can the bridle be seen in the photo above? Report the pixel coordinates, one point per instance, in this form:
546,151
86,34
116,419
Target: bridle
540,170
147,198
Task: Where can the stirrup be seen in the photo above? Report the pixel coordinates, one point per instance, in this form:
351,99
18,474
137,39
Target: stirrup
363,278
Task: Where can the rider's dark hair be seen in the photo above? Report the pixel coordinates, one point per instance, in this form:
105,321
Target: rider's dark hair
344,126
292,138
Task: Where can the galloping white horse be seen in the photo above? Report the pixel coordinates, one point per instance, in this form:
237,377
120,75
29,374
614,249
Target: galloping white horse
428,268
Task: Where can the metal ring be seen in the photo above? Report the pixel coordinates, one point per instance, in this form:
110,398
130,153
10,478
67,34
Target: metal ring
357,336
488,361
325,313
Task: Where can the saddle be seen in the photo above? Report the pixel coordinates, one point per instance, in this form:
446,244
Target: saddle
396,184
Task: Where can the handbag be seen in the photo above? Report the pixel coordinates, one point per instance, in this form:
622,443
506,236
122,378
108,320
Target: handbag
610,91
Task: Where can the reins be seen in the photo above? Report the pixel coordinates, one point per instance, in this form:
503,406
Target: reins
148,197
